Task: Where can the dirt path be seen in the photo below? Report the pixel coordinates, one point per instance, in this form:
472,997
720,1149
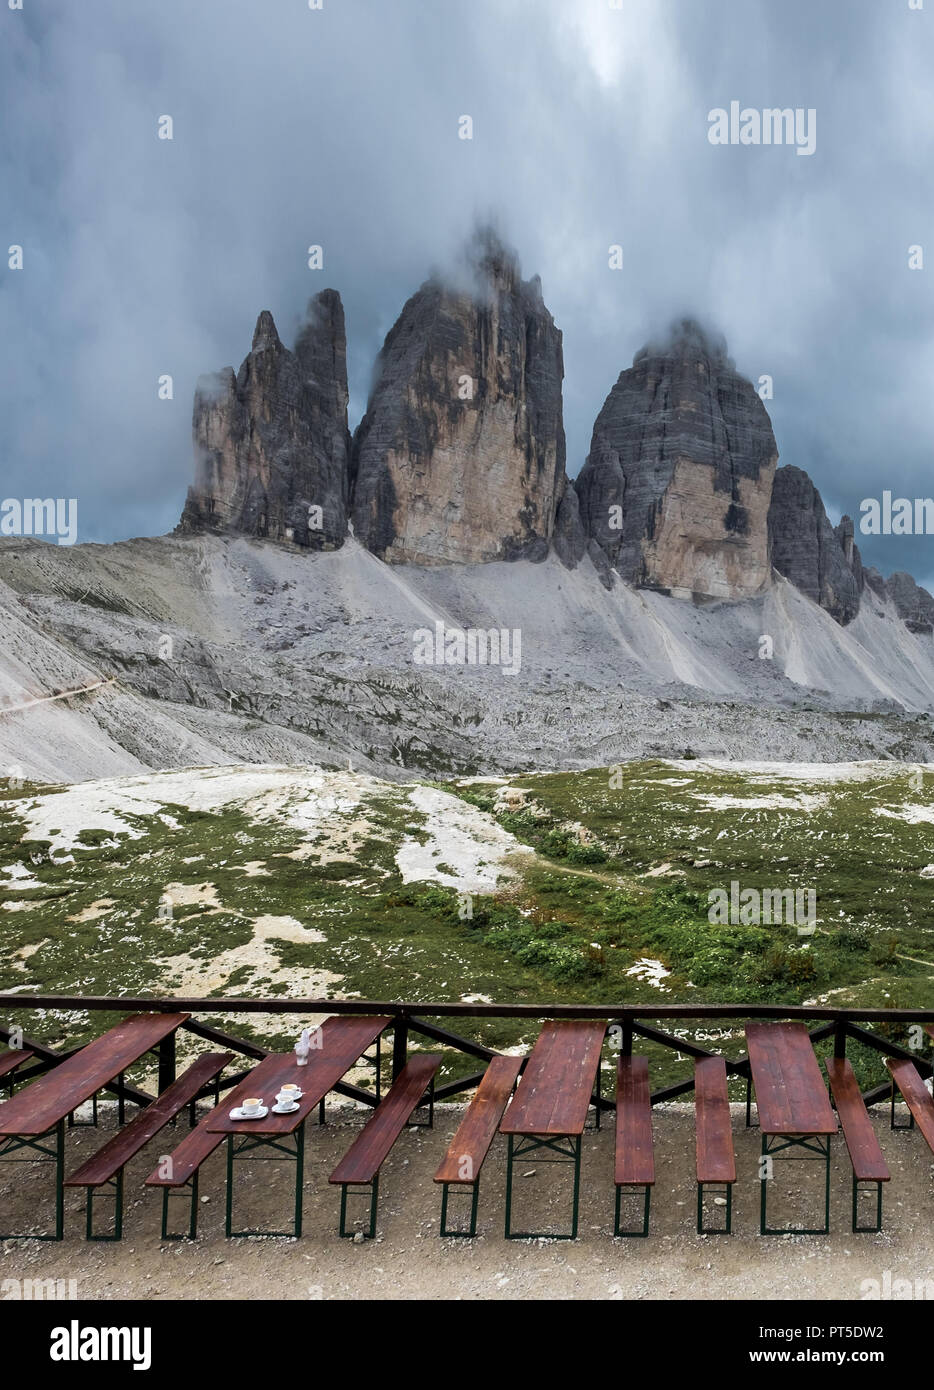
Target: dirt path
62,695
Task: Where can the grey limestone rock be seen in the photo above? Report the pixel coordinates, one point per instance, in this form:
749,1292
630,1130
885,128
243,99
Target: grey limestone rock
821,562
913,603
569,540
676,487
272,446
460,455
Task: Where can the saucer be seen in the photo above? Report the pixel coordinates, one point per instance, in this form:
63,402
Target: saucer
239,1114
285,1109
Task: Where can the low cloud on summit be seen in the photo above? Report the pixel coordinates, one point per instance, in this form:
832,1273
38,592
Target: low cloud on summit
339,127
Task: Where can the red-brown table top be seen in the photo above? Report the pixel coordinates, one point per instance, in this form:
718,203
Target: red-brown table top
343,1040
555,1091
791,1097
40,1106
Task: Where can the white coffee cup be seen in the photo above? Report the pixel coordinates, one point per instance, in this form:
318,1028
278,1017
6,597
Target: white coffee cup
251,1106
286,1098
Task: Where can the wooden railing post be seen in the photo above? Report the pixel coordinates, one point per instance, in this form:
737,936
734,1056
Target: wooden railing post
839,1039
400,1043
166,1062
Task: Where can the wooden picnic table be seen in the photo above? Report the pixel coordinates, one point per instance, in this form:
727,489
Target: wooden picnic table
793,1105
40,1106
549,1108
790,1093
343,1039
27,1121
555,1090
10,1062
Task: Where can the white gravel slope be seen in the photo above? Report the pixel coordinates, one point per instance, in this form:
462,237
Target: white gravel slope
279,656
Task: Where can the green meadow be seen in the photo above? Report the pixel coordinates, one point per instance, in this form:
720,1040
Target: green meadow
603,899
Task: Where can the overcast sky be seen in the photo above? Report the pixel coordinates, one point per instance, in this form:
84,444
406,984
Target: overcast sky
339,127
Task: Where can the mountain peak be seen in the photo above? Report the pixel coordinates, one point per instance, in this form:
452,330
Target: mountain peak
688,337
676,487
460,455
492,266
265,334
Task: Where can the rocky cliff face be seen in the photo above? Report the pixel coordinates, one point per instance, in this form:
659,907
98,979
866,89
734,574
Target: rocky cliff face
913,603
460,455
821,561
272,446
675,491
569,538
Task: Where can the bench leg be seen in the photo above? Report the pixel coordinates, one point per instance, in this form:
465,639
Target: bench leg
726,1230
474,1189
249,1150
568,1150
817,1146
633,1190
168,1192
867,1230
373,1189
85,1124
596,1097
115,1187
749,1123
53,1152
429,1096
911,1118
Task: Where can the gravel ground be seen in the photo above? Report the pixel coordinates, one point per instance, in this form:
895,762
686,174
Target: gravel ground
606,676
409,1260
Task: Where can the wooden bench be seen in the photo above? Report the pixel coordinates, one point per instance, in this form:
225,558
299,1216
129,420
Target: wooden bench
869,1165
361,1163
635,1159
105,1168
716,1161
9,1063
907,1078
180,1169
475,1133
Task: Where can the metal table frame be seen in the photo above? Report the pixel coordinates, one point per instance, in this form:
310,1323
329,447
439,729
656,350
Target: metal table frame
244,1151
567,1147
13,1143
817,1147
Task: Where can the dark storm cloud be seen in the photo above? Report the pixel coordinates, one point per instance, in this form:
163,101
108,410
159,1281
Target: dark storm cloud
339,127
